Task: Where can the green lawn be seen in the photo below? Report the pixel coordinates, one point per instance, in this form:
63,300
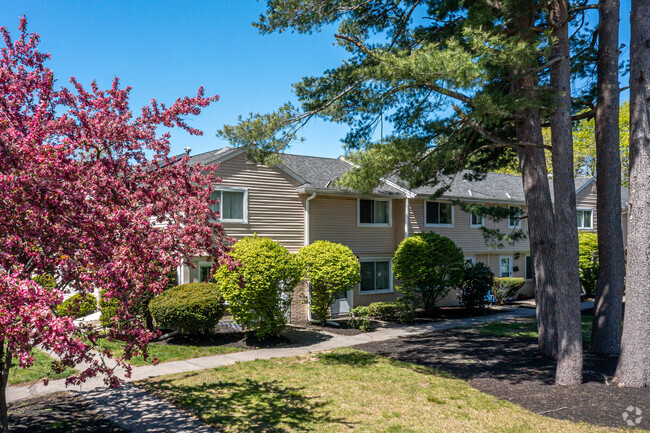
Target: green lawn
170,352
341,391
526,328
41,367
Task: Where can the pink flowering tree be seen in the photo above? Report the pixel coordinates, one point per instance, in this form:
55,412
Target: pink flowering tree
90,196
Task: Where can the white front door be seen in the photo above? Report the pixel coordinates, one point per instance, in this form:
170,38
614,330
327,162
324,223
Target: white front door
505,266
341,304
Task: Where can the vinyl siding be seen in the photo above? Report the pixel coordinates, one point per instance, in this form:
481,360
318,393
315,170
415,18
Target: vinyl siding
586,199
275,209
469,239
334,218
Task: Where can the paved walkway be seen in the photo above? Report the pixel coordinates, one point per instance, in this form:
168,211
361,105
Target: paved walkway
120,405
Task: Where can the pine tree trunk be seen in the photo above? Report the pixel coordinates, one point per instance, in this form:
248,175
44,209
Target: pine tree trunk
569,364
532,164
608,307
540,229
5,363
634,363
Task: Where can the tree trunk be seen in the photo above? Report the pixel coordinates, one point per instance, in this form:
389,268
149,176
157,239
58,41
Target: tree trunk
540,229
532,163
634,364
569,364
5,363
608,307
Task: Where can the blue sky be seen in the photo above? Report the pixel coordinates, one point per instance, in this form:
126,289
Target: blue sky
167,49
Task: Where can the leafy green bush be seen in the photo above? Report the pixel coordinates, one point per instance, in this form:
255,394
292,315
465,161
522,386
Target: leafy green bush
359,318
193,308
332,269
588,261
506,287
392,311
476,284
428,265
78,305
45,281
259,291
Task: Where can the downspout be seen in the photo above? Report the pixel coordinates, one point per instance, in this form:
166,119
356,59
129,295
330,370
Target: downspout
307,243
406,218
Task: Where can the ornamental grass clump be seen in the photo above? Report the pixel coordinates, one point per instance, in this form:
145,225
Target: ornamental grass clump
259,291
332,269
193,308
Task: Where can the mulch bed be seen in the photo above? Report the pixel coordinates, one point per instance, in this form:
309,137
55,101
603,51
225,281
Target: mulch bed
513,369
61,412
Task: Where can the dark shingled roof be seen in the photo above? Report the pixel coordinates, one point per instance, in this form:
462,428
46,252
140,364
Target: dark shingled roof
322,173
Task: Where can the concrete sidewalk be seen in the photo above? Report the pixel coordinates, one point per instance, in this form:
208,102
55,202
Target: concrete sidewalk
109,401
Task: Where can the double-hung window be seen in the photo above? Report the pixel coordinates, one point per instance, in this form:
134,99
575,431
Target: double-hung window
375,276
514,219
585,219
233,204
476,220
374,212
439,214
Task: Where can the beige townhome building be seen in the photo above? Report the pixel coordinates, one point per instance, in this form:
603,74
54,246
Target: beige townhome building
298,202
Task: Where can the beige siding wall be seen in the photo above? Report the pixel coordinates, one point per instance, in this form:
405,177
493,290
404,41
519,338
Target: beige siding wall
334,219
275,209
586,199
470,239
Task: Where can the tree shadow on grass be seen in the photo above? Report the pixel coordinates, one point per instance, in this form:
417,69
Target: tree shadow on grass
249,405
356,359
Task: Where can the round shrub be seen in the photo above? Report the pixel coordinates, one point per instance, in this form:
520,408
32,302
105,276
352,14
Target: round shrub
332,269
588,261
428,265
506,288
477,282
45,281
78,305
259,291
193,308
392,311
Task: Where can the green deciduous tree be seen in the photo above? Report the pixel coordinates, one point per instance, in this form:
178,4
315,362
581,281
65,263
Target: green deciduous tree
428,266
588,261
332,269
259,291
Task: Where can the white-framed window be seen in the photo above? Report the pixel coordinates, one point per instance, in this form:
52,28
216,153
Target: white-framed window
505,266
438,214
476,220
374,212
233,204
585,219
514,219
376,276
529,275
204,271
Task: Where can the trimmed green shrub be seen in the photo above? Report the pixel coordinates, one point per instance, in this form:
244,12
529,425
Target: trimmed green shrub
45,281
392,311
428,265
332,269
476,284
108,309
359,318
506,287
259,291
193,308
78,305
588,261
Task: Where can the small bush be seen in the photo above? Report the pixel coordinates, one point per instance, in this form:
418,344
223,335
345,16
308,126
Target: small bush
332,269
108,309
193,308
392,311
78,305
359,318
506,287
259,291
45,281
428,265
476,284
588,261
